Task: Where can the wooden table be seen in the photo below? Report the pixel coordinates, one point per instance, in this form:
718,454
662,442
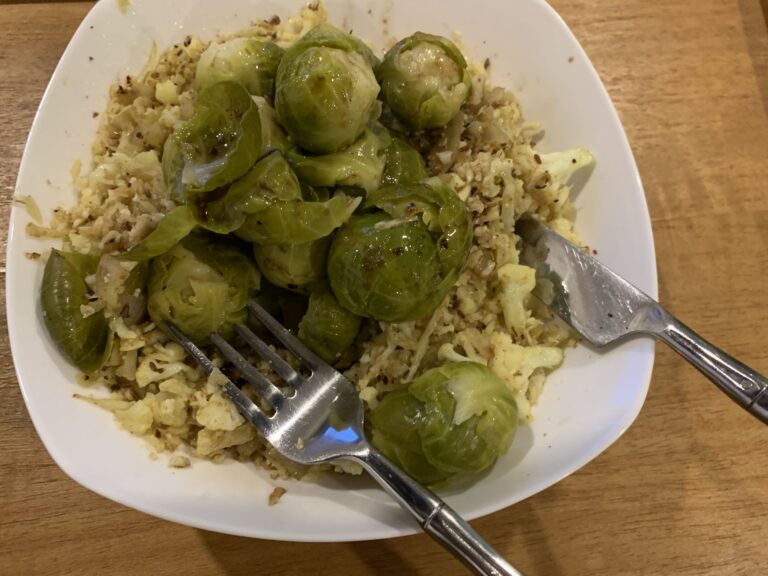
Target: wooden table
684,492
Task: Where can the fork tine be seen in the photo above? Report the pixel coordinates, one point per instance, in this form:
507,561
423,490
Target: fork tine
283,369
245,405
308,358
269,391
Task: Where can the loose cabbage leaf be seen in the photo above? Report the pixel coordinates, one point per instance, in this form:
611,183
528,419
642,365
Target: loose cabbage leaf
296,221
217,145
270,181
169,231
85,341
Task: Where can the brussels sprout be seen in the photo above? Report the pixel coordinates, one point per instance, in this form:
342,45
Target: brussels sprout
441,210
250,61
398,265
270,180
383,268
360,165
424,80
328,36
169,231
85,341
404,164
202,285
451,421
293,266
296,221
217,145
326,90
328,328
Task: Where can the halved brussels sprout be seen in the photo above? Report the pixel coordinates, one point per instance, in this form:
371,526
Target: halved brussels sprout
424,80
451,421
326,90
202,285
270,180
360,165
169,231
398,265
250,61
293,266
217,145
328,328
404,164
296,221
85,341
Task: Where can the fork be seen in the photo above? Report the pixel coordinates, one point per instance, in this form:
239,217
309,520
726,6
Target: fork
322,420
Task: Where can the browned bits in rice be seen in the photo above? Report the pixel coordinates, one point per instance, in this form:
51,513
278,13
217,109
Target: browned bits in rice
276,494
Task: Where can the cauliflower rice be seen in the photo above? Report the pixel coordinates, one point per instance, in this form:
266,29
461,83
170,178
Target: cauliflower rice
486,154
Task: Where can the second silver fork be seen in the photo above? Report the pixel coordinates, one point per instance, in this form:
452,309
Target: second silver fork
322,420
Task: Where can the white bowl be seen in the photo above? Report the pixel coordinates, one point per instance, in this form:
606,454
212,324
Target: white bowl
586,405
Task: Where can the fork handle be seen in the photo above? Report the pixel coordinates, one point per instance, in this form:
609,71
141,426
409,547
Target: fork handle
435,517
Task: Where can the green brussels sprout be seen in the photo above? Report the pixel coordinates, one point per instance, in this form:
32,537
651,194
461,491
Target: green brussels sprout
424,80
202,285
328,36
404,164
250,61
328,328
452,421
270,181
293,266
217,145
297,221
441,210
169,231
326,90
383,268
397,264
85,341
360,165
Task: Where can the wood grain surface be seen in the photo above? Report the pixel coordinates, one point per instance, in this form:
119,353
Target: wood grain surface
683,492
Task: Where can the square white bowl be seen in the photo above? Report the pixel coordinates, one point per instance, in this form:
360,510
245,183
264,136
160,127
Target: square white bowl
586,405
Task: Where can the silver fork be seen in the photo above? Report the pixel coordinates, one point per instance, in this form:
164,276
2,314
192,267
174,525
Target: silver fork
323,420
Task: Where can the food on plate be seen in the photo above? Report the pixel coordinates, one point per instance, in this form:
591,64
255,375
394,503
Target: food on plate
424,80
368,204
452,420
326,90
